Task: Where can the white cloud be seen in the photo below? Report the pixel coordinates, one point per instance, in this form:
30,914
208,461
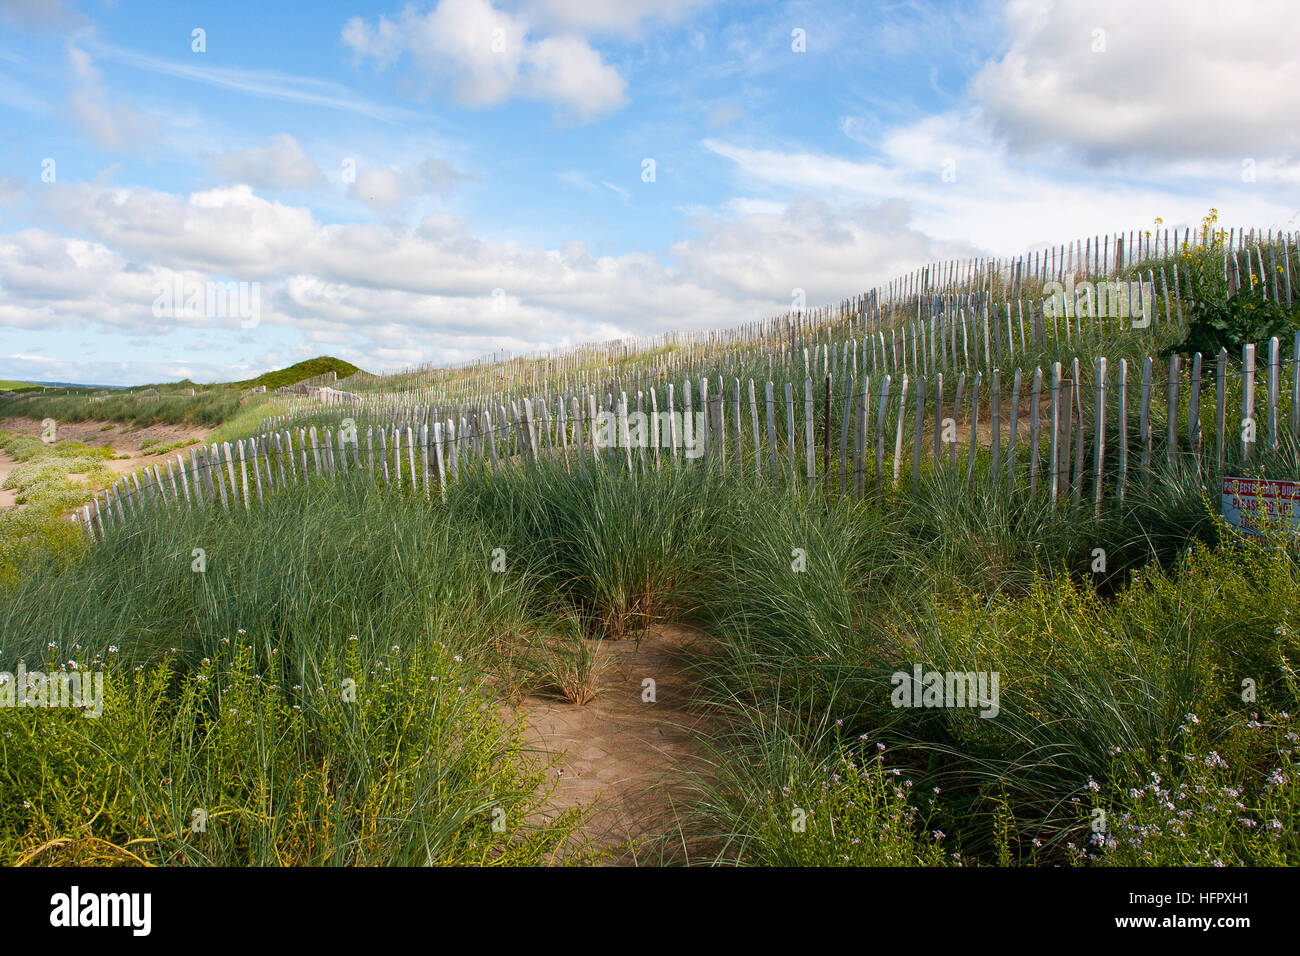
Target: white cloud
568,72
307,91
227,231
39,14
829,253
616,17
281,164
394,295
386,187
108,121
488,57
1176,80
1004,204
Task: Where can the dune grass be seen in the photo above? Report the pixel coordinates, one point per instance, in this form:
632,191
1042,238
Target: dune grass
810,606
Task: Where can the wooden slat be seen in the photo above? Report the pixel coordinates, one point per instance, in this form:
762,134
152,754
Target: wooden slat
1099,434
1144,420
995,427
810,440
1274,375
1248,425
1054,453
898,436
880,434
1171,407
1220,400
917,433
1122,399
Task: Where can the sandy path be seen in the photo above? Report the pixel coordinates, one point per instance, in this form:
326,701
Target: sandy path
123,439
620,754
6,495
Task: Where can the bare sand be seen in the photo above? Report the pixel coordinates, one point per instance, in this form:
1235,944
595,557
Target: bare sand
621,755
123,439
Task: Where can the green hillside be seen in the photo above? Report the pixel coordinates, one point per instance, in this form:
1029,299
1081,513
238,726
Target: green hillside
302,370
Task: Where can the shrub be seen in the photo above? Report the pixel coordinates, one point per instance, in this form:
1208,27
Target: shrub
1248,317
225,765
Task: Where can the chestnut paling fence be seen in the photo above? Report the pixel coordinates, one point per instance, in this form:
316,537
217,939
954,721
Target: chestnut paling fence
1072,435
951,316
1006,368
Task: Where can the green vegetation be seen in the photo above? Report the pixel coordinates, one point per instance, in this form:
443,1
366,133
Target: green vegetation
38,533
298,372
210,407
383,591
155,446
224,766
171,403
1248,317
1131,692
1099,672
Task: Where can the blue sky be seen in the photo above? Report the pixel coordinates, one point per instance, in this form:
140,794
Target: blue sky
433,181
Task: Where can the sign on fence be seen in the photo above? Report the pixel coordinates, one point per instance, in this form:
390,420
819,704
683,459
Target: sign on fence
1249,504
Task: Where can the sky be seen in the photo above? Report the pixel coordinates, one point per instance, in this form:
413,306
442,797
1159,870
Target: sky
210,190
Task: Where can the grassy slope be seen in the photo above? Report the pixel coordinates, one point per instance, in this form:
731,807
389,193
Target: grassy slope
801,662
299,371
211,405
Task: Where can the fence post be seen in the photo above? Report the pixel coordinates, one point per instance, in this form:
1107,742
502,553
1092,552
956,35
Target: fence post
880,435
810,439
1013,424
1247,400
1099,446
1194,411
917,430
1274,372
1054,445
974,426
1220,402
1171,406
1123,428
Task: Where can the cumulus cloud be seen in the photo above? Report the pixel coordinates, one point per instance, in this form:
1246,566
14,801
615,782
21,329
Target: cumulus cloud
615,17
229,230
386,187
1001,204
1162,78
109,121
488,57
39,14
281,164
396,295
808,245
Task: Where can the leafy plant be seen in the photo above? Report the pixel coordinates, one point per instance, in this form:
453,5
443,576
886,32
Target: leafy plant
1248,317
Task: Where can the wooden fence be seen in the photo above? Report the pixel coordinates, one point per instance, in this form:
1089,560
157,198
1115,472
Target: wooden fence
1070,433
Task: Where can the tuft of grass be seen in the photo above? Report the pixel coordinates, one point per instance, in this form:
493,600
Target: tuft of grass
224,764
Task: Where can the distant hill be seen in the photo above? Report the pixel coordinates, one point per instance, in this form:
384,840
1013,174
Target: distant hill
309,368
8,386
